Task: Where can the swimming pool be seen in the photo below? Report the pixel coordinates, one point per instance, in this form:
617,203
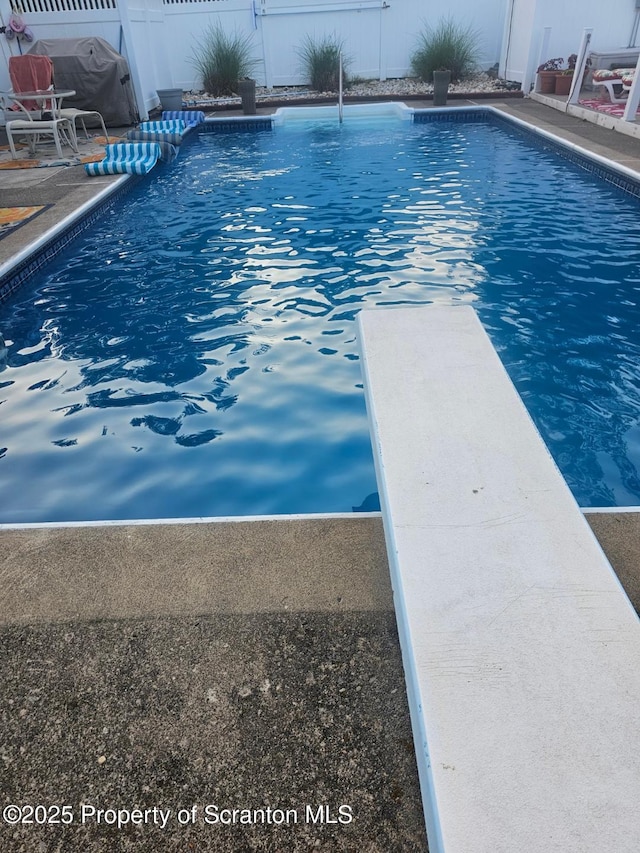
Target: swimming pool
194,353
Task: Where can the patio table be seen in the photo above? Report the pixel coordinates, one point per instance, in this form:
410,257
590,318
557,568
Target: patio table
41,97
47,100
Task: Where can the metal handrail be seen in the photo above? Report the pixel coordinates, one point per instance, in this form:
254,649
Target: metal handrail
340,107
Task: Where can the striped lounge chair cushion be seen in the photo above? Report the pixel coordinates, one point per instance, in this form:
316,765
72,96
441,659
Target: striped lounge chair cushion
167,126
601,74
132,158
171,130
155,136
190,117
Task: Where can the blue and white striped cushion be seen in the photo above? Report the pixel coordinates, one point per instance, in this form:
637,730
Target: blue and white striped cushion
132,158
170,126
155,136
190,117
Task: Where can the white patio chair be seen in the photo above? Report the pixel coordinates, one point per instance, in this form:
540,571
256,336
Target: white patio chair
61,129
75,116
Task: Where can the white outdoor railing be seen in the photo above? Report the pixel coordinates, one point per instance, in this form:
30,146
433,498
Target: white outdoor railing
340,104
52,6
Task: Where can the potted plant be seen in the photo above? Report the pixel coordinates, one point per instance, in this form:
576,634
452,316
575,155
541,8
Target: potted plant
224,61
565,76
547,73
447,52
563,81
448,46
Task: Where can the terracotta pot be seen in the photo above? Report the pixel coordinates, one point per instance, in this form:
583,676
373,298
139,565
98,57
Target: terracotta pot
563,83
547,82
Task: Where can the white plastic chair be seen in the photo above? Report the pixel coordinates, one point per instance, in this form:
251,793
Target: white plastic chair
61,129
74,115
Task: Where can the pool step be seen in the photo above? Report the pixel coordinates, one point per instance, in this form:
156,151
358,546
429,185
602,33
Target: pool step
521,649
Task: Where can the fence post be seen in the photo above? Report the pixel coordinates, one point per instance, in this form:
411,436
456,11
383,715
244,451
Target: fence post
131,53
581,64
542,53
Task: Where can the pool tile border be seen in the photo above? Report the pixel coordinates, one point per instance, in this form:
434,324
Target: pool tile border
26,268
454,115
586,161
238,124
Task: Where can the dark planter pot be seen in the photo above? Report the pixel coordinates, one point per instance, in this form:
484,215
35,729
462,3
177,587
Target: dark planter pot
563,83
547,82
441,80
247,92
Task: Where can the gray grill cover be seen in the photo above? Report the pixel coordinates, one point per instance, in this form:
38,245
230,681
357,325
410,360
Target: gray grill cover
97,72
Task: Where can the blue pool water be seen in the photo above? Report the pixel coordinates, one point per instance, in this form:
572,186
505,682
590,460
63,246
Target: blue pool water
194,354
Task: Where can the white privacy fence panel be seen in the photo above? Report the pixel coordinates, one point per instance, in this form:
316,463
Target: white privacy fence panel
186,24
28,6
62,25
614,26
158,37
611,23
59,19
65,19
517,39
284,32
379,35
145,31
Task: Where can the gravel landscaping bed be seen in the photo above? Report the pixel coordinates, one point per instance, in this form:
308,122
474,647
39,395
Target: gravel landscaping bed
480,85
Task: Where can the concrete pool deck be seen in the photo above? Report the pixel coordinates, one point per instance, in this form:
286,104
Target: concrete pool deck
243,664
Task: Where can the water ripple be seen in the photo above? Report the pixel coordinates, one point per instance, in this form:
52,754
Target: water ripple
207,363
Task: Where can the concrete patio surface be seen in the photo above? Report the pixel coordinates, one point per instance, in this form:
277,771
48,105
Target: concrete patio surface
241,665
244,665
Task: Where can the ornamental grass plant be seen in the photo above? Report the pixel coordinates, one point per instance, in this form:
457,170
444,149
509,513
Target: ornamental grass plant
222,59
321,62
447,46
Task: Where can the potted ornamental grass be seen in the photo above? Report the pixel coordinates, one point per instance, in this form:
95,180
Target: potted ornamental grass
444,53
224,61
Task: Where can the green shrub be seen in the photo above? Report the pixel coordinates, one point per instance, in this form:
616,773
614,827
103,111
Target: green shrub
321,61
447,46
222,59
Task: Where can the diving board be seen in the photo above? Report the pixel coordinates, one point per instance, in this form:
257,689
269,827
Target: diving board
521,650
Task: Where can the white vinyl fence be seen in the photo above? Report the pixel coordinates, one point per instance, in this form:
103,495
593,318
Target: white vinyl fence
524,46
378,35
158,36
